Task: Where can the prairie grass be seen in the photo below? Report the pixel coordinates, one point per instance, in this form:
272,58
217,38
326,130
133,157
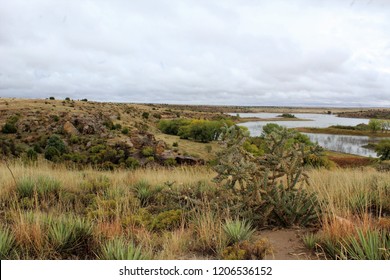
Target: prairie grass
52,212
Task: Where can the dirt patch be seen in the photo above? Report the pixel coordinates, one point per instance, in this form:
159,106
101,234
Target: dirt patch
287,244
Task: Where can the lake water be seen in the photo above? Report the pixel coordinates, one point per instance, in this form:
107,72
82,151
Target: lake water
339,143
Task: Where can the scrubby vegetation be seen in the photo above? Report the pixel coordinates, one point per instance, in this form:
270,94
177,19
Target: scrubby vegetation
198,130
106,188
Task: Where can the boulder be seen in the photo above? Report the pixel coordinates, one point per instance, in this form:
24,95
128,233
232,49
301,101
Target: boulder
70,129
160,147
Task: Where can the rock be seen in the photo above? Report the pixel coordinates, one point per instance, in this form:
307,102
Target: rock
160,147
70,129
186,160
87,129
167,154
143,140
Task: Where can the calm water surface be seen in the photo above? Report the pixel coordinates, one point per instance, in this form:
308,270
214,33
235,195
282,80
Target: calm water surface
340,143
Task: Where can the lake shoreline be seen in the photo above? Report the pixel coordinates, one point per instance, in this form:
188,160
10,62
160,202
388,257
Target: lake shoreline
337,131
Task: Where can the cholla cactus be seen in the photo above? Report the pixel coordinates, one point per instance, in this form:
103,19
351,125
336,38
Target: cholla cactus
253,181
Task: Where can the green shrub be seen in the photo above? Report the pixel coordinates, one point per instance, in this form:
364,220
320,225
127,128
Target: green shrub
238,230
9,128
287,115
7,242
148,152
32,155
119,249
167,220
10,125
132,163
55,147
145,115
125,131
383,149
246,250
51,98
170,162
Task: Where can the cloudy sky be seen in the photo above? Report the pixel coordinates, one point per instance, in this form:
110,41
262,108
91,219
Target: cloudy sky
236,52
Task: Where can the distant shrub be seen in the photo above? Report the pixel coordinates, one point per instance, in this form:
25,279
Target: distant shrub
74,139
10,125
375,125
51,98
118,126
51,153
9,128
125,131
145,115
383,149
55,147
170,162
148,152
198,130
132,163
67,99
175,144
32,155
157,116
287,115
84,99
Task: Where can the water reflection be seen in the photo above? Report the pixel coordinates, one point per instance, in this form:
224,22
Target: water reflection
344,143
339,143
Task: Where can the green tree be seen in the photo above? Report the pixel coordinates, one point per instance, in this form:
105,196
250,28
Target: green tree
55,147
375,125
383,149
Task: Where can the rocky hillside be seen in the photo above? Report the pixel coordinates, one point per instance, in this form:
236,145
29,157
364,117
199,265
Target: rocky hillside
105,135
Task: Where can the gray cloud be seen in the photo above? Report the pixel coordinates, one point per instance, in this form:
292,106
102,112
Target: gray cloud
206,52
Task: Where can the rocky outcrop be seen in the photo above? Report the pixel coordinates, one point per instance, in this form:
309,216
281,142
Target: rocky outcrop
70,129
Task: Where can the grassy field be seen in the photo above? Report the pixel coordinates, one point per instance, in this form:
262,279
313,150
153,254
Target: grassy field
51,212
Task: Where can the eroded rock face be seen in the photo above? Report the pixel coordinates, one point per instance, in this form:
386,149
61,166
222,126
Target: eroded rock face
143,140
186,160
160,147
70,129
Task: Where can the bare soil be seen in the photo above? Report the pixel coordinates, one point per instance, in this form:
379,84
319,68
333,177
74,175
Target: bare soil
287,244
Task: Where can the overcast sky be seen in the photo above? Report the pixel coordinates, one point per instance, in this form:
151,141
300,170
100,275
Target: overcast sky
243,52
